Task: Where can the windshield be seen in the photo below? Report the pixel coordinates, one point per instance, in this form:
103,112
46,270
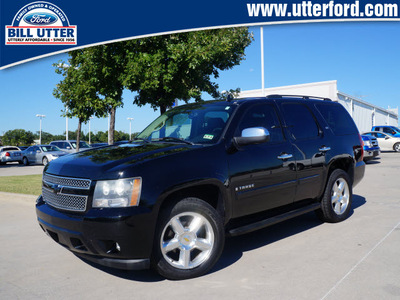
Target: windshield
50,148
81,145
195,123
395,129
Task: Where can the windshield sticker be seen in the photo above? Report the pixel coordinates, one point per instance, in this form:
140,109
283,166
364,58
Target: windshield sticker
208,137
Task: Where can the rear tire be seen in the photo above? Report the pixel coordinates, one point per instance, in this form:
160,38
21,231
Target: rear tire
396,147
189,240
337,198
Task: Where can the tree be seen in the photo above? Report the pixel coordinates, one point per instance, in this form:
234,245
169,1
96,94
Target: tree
76,92
162,69
18,137
102,67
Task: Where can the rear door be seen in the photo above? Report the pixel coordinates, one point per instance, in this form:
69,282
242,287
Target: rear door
261,177
310,146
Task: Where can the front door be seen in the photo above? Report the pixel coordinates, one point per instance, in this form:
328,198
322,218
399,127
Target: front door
263,176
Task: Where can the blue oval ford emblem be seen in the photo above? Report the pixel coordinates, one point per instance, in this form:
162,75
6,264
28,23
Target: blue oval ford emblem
40,18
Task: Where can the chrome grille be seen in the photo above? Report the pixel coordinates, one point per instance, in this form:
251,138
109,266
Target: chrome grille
374,142
64,201
53,195
68,182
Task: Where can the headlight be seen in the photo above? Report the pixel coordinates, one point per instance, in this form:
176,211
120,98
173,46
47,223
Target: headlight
117,193
367,143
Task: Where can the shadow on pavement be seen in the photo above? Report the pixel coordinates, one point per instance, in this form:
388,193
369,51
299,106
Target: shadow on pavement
236,246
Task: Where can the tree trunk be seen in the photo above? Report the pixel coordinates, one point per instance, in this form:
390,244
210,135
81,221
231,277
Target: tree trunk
163,109
78,135
112,126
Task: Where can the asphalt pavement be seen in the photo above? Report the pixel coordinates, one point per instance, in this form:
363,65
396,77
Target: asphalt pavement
298,259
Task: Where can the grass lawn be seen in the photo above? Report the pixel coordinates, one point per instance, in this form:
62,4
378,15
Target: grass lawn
27,184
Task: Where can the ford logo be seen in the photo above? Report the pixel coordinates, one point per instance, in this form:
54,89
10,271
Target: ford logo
40,18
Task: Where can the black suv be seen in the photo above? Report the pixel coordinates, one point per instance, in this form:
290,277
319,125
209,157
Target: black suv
198,173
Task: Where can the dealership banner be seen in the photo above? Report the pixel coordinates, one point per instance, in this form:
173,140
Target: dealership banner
34,29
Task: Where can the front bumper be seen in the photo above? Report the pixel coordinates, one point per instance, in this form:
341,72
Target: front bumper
370,153
118,238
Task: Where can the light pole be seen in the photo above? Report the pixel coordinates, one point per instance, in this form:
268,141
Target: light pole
130,127
40,132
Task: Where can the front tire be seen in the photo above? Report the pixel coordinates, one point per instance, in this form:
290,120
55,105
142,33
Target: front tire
45,161
189,240
337,198
396,147
25,161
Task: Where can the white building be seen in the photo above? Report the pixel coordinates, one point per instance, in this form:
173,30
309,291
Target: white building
364,114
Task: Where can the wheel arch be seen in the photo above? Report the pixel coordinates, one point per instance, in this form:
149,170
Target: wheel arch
211,191
345,163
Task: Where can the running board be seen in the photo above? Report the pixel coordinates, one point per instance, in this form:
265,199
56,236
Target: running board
273,220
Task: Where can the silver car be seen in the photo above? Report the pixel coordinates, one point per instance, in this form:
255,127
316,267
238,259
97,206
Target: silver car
9,154
70,145
41,154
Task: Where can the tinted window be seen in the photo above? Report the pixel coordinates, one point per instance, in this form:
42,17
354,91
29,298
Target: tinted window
337,118
262,115
300,121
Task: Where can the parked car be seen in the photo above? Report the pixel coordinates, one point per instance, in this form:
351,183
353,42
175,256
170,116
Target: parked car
371,147
197,173
10,154
41,154
387,142
70,145
392,130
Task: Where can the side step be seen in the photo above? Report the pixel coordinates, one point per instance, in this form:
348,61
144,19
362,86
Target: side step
273,220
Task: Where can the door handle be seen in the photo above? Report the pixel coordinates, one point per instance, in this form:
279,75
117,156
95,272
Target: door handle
285,156
324,149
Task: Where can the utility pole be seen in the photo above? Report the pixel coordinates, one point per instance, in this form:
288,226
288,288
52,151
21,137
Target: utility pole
130,127
40,131
262,61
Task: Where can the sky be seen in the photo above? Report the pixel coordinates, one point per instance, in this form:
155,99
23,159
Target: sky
364,57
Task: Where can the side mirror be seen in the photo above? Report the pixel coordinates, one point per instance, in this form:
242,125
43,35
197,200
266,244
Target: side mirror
386,137
37,151
253,135
68,147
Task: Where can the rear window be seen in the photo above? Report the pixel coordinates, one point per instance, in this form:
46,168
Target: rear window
10,149
337,118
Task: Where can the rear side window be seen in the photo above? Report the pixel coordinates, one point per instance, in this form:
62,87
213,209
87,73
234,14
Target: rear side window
337,118
300,121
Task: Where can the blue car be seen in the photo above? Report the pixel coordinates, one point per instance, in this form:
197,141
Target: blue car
371,147
392,130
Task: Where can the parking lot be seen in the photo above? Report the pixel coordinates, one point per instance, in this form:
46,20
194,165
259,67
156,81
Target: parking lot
299,259
15,169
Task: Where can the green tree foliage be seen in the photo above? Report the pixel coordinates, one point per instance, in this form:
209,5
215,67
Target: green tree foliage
18,137
182,66
92,83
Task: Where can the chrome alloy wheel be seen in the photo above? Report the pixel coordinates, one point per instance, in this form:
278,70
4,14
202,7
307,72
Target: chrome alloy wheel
187,240
340,196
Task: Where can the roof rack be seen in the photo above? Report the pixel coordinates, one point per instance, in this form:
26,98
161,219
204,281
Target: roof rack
298,96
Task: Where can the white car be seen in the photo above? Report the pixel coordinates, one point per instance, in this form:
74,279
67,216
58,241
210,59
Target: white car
10,154
386,141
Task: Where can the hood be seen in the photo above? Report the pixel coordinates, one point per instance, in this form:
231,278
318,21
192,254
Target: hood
109,162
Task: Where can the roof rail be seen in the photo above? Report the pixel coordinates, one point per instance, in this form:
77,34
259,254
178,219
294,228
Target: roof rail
298,96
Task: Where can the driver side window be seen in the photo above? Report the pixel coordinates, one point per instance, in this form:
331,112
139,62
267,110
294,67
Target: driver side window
262,115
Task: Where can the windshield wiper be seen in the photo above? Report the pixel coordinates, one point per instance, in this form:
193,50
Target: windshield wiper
174,139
